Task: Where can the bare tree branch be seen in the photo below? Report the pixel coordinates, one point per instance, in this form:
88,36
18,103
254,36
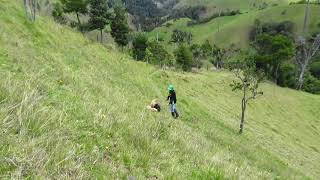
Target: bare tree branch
255,96
304,55
315,47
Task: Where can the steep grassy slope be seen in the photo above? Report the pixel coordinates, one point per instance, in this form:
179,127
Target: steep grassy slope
235,29
70,108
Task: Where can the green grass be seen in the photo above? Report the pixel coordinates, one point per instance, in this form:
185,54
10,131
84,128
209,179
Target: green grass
73,109
235,29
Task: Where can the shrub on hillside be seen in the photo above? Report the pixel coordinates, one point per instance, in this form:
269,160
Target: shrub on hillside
207,49
272,52
157,54
287,75
179,36
315,69
285,28
139,46
57,13
183,58
198,54
311,84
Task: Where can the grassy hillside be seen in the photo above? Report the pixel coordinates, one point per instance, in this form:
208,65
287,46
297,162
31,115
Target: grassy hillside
235,29
72,109
232,4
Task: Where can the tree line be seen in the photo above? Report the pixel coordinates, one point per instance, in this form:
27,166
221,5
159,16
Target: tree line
100,16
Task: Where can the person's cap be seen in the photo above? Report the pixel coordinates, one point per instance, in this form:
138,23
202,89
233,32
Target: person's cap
170,88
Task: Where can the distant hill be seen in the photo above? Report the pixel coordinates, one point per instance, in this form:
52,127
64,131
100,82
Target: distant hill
235,29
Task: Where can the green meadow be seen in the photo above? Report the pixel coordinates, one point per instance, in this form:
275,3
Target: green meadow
73,109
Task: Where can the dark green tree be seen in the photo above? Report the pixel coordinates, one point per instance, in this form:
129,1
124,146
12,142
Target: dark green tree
57,12
207,49
287,75
315,69
99,15
184,57
179,36
140,44
311,84
157,54
75,6
221,55
119,27
272,52
198,54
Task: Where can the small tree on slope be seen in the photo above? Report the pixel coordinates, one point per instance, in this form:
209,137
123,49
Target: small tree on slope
247,81
99,15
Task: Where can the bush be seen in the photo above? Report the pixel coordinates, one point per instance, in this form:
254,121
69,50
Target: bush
57,13
156,54
287,75
179,36
139,46
183,58
311,84
272,52
197,54
315,69
285,28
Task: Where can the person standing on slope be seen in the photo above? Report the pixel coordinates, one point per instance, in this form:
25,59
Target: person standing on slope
173,101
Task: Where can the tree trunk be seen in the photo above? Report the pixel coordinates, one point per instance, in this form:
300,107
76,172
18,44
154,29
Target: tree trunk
34,6
25,2
306,17
243,109
30,9
301,77
101,36
157,37
79,22
276,73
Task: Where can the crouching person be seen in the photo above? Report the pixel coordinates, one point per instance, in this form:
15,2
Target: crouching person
154,106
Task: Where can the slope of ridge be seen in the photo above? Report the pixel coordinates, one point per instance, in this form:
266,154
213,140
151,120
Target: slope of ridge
70,108
232,4
235,29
